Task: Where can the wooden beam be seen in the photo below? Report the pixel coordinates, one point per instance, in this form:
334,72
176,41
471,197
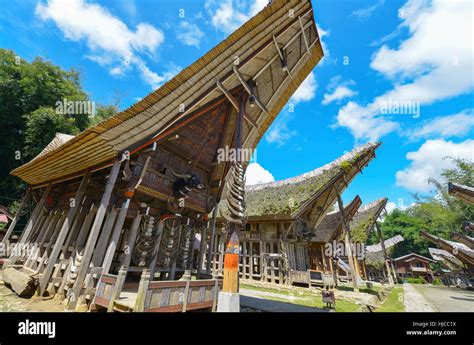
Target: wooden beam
67,225
131,240
17,215
104,237
92,240
350,257
235,104
391,275
249,90
115,236
34,215
303,34
213,235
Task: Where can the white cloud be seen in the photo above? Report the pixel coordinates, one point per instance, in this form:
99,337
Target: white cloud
322,37
429,161
228,15
256,174
434,63
338,90
339,93
364,124
279,133
190,34
458,124
306,91
399,205
110,40
365,13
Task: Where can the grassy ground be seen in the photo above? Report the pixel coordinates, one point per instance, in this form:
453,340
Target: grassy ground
394,301
373,290
308,299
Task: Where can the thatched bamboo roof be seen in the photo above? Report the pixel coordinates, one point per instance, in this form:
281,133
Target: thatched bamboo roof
464,193
464,239
313,192
374,254
58,140
446,258
160,114
331,226
459,250
390,242
363,221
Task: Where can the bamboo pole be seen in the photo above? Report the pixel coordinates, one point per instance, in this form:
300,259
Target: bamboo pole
92,240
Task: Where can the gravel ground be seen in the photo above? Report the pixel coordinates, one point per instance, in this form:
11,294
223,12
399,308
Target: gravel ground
415,301
10,302
446,299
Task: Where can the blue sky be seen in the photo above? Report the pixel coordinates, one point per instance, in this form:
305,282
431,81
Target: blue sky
417,54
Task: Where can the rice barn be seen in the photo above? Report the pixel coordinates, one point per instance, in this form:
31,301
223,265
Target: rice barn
283,218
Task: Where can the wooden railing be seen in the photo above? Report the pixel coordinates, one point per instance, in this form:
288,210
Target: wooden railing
176,296
109,288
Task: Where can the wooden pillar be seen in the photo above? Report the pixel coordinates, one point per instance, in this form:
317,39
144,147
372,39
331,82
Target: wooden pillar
384,251
221,253
83,232
17,215
263,274
142,290
355,276
47,246
251,259
58,270
67,225
323,257
231,265
117,288
45,233
202,248
132,237
210,255
34,216
91,241
104,238
365,270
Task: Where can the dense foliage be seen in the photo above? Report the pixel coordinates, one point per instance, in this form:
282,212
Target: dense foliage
441,214
29,116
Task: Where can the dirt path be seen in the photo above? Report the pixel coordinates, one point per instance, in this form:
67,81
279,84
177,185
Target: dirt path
10,302
415,301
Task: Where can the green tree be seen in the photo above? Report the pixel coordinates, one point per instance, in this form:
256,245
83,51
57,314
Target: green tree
441,214
41,126
24,88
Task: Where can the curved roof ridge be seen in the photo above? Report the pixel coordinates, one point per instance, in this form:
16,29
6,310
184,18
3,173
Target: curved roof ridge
313,173
372,204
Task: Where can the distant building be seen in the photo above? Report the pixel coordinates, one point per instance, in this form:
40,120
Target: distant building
414,266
